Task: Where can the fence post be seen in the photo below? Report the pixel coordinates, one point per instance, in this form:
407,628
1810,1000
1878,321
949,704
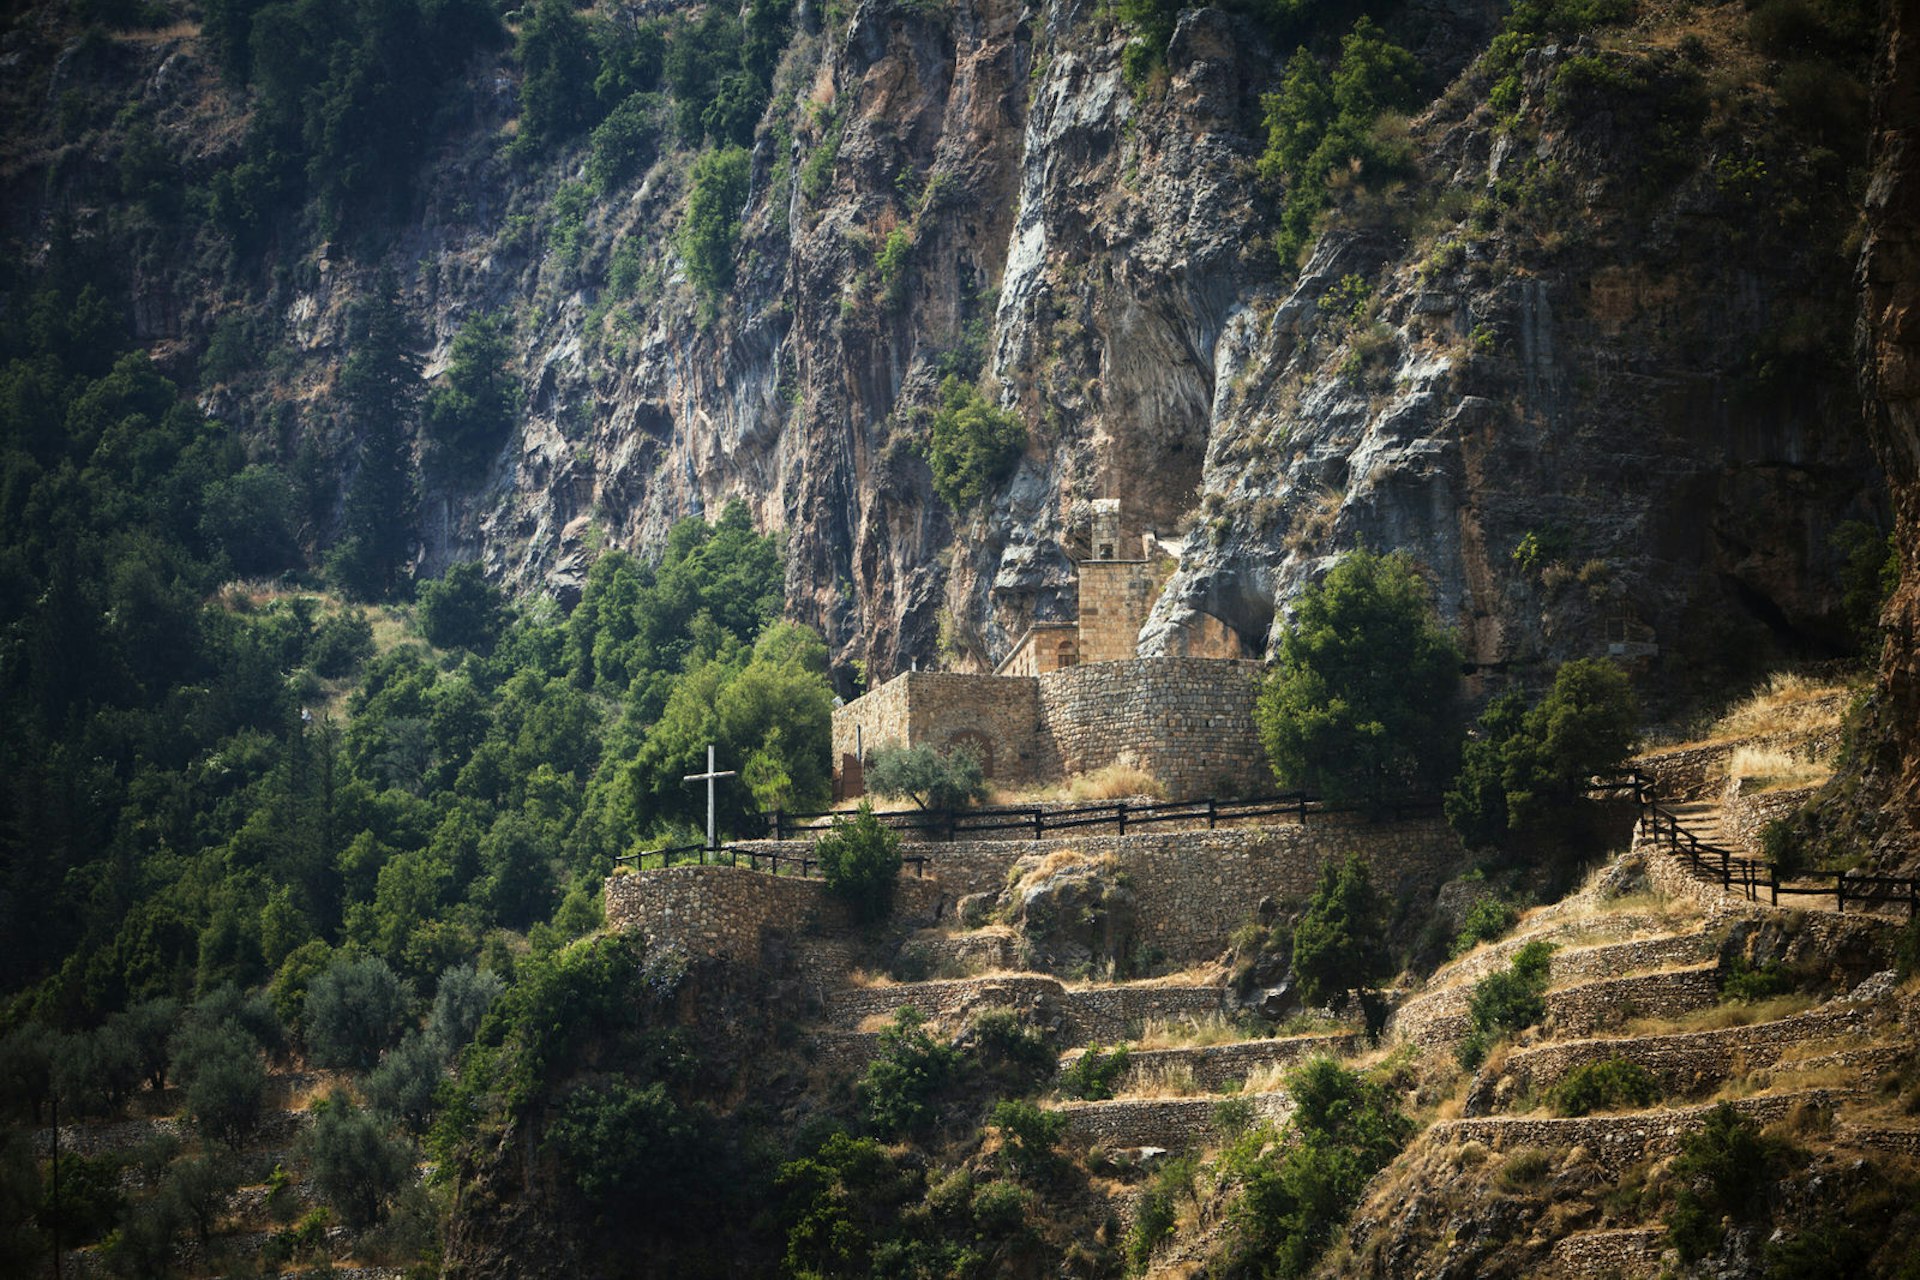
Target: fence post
953,827
1038,823
1303,808
1120,816
1840,892
1726,871
779,824
1213,813
1773,884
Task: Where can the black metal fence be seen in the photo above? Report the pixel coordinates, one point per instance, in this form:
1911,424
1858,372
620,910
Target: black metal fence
1748,875
1035,821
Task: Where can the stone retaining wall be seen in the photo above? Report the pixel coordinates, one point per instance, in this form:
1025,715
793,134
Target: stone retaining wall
1193,888
1746,813
1582,1010
1617,1142
1216,1067
1441,1016
1688,1060
1698,773
1104,1015
1631,1251
1177,1124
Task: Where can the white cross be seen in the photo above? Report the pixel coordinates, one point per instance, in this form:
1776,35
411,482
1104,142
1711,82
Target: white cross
709,777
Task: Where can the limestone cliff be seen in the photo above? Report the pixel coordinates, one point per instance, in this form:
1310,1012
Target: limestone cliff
1890,388
1582,362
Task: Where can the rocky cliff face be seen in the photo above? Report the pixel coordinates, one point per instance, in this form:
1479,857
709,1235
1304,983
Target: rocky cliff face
1579,358
1890,389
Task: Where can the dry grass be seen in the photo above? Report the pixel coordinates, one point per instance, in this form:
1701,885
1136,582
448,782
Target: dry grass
1160,1080
1772,769
1124,779
1786,703
1722,1016
1190,1033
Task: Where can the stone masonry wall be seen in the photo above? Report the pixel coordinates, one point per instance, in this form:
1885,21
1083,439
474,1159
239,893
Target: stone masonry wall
1187,720
726,911
1193,888
1115,598
1176,1124
998,716
1747,813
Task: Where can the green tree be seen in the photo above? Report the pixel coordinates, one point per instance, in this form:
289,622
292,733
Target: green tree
903,1083
1360,705
558,68
355,1011
461,610
471,411
218,1064
1525,773
380,386
931,779
971,445
356,1167
860,859
715,206
1339,942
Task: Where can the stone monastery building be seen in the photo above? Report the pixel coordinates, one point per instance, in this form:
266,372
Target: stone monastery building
1074,696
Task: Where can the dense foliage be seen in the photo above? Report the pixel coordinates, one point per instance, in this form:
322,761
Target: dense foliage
971,444
1339,942
1294,1194
1507,1000
1359,707
1320,124
1525,770
860,859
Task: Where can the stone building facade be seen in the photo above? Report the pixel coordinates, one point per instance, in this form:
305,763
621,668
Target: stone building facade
1189,721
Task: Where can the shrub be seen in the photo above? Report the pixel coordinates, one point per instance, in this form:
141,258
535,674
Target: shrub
612,1138
1487,921
931,779
1724,1171
861,861
892,264
1508,1000
1743,983
1029,1135
1359,706
903,1082
1612,1082
971,445
469,414
461,610
340,644
999,1039
354,1011
1339,942
1094,1073
712,226
401,1088
1525,1169
356,1167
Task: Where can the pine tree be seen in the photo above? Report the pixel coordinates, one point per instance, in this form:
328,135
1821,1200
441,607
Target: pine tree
380,387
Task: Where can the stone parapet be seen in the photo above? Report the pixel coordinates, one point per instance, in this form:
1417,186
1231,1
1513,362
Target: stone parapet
1188,721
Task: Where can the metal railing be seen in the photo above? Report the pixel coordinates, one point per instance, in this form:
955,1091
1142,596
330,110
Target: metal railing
1748,875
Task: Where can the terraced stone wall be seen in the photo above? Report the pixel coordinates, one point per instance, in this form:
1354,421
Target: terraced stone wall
727,911
1176,1124
1748,812
1192,888
1082,1015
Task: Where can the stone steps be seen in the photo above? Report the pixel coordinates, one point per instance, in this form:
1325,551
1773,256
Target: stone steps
1172,1124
